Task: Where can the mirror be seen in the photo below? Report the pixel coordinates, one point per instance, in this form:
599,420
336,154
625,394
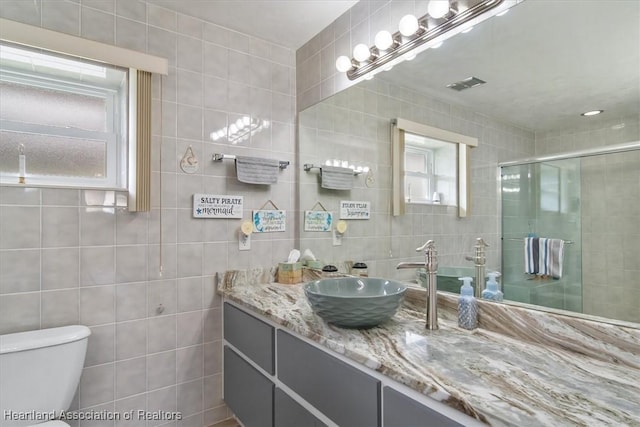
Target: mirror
544,63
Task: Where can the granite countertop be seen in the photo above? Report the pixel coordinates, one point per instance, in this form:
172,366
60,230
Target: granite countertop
497,379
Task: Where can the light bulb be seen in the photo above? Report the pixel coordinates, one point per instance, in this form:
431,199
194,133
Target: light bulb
327,163
233,129
343,64
246,120
383,40
214,136
438,8
239,124
408,25
361,52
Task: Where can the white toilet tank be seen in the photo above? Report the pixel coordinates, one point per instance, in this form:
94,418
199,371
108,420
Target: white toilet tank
39,372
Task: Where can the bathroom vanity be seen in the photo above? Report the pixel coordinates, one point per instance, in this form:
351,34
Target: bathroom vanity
285,365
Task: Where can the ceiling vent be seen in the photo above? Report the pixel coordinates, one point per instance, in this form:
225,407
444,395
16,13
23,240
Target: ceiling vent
467,83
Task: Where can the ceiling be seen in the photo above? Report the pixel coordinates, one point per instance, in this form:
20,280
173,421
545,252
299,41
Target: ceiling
545,62
290,23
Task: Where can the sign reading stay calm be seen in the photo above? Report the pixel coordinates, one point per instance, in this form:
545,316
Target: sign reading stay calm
217,206
350,209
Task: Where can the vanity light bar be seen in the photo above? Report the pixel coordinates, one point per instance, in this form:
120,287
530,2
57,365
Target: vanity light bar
413,33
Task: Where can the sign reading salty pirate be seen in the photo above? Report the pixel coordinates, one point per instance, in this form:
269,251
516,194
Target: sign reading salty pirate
350,209
217,206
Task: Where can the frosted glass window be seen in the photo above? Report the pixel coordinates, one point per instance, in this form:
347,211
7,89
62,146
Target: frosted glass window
68,115
430,170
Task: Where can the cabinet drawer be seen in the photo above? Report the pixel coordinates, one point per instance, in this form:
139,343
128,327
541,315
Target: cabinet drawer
251,336
289,413
402,411
247,392
341,392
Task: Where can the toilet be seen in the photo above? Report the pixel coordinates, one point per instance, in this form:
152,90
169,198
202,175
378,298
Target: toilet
39,374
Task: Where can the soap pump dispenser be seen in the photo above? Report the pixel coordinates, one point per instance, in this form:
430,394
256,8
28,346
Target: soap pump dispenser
467,306
492,291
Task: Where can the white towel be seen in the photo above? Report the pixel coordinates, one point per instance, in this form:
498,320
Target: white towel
336,178
550,257
555,259
531,255
256,170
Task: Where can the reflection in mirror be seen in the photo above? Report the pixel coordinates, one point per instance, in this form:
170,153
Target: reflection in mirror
540,78
430,165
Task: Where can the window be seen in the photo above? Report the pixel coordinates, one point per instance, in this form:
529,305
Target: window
68,115
429,170
430,165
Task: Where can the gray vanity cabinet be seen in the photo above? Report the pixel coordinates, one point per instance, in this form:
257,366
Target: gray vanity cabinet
310,387
250,394
289,413
402,411
344,394
253,337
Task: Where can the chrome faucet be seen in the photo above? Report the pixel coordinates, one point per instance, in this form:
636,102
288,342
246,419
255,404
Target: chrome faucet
479,260
431,265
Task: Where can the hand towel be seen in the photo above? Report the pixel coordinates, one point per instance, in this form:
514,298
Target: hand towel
544,250
556,255
531,255
256,170
336,178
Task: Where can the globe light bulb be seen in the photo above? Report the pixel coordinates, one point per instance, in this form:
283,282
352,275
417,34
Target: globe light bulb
383,40
438,8
361,52
343,64
408,25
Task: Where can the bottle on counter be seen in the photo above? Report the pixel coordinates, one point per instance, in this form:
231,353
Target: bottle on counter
360,269
492,291
329,271
467,306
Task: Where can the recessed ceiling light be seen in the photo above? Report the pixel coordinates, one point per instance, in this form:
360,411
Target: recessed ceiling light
592,113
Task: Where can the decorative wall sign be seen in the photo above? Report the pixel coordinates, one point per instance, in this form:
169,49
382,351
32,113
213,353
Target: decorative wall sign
350,209
318,220
269,221
217,206
189,162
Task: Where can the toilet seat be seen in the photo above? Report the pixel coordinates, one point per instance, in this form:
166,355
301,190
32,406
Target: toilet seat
55,423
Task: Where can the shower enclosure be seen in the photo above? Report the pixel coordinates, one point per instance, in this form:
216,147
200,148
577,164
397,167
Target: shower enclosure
591,200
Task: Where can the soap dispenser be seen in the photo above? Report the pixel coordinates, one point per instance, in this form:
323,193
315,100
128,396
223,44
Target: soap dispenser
467,306
492,291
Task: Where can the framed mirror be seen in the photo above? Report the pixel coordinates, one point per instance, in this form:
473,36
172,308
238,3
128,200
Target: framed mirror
539,80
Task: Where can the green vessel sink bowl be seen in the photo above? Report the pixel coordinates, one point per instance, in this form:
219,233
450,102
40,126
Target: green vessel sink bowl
355,302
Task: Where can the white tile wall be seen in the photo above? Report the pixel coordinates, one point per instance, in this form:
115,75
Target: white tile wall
354,125
64,262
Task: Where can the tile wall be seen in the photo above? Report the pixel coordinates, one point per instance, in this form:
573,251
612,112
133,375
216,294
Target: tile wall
354,125
156,335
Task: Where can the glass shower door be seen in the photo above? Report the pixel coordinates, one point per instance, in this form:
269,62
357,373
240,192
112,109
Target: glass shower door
542,200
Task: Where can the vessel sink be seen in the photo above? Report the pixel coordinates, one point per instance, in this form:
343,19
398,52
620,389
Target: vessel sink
355,302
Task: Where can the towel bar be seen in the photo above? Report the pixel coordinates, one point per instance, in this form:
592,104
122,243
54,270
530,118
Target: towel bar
309,166
566,242
220,157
